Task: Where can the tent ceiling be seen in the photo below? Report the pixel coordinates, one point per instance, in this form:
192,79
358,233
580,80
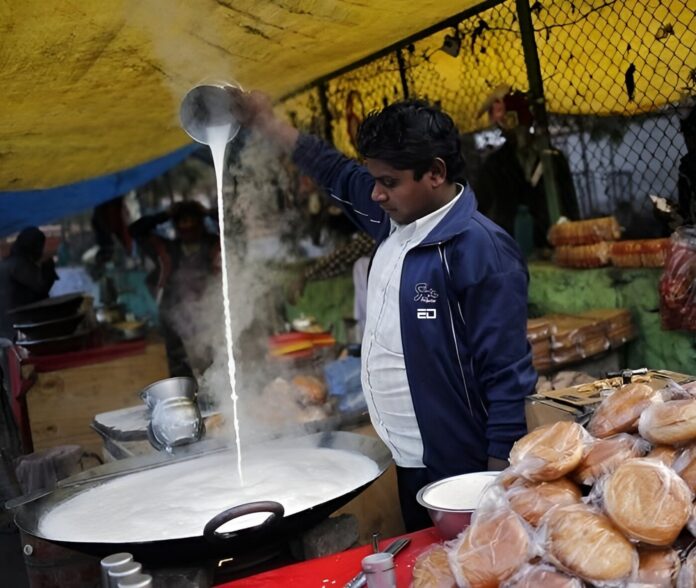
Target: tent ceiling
91,88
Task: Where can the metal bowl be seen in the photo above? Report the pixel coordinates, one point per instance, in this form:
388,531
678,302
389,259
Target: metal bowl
451,502
180,387
176,422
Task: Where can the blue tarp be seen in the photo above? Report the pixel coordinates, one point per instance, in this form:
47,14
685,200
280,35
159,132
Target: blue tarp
36,207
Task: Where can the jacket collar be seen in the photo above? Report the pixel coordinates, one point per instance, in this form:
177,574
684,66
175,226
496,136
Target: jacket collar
455,221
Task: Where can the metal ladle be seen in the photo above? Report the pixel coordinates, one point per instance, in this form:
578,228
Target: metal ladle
210,105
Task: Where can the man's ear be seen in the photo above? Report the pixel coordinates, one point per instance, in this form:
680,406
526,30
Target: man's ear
437,172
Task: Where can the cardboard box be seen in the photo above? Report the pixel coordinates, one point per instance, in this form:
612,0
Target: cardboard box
579,402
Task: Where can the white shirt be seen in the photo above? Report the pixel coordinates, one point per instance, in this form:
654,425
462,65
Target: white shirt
384,378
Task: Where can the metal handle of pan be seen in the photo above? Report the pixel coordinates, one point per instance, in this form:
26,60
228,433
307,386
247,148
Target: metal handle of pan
275,509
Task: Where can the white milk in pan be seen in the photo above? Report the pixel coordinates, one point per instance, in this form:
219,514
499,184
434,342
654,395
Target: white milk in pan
177,501
460,492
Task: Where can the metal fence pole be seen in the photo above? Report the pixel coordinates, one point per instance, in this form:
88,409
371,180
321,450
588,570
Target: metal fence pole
536,95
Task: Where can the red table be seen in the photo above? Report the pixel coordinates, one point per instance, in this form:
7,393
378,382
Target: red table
334,571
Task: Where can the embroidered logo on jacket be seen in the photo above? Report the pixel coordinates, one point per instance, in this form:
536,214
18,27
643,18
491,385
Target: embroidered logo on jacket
426,313
425,294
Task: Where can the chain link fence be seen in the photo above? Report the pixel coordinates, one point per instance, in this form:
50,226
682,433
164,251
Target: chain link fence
618,77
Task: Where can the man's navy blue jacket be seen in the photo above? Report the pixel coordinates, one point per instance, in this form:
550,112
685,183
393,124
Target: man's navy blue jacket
463,307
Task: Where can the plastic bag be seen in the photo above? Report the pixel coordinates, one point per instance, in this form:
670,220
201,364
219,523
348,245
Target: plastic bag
657,568
685,466
549,452
678,282
541,575
585,232
492,548
580,540
533,501
431,569
687,574
664,453
583,256
669,423
605,455
619,412
647,501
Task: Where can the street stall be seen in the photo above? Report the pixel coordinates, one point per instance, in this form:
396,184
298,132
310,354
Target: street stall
236,473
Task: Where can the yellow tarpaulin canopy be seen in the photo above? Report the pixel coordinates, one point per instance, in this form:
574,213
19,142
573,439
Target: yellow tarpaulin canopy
92,87
89,87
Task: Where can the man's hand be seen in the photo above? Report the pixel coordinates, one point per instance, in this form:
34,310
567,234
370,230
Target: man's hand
255,110
497,465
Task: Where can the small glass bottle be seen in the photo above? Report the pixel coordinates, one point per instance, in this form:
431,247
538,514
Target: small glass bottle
379,570
112,561
136,581
119,573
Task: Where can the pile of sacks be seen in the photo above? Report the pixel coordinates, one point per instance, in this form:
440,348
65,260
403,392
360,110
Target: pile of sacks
610,505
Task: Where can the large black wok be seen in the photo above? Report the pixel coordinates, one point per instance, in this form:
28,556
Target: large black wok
210,544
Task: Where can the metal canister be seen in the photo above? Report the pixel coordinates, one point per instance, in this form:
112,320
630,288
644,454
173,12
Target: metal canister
136,581
112,561
118,573
379,570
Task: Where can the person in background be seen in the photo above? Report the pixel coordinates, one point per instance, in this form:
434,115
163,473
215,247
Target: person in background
110,225
26,276
184,265
687,171
512,176
445,360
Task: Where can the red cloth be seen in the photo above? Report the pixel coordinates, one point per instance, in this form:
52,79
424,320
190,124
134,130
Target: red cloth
334,571
62,361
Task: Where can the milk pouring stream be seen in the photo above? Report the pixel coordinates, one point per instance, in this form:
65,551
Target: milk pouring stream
206,115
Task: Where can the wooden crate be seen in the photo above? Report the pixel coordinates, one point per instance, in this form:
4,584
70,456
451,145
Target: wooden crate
62,404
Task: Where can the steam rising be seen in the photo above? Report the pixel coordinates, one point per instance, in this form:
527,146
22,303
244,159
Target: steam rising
254,253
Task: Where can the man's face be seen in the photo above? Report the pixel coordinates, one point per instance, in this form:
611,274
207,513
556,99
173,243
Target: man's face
189,229
402,197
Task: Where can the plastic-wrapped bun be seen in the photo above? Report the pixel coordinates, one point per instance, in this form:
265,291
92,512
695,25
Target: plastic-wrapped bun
687,574
647,501
664,453
657,568
538,575
549,452
490,551
685,466
669,423
432,570
619,413
605,455
585,543
533,501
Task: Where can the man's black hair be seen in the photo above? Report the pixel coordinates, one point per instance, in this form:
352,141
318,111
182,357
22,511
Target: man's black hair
410,135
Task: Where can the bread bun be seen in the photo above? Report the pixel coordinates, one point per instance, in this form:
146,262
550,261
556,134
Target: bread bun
431,570
549,452
533,501
491,550
541,575
685,466
657,567
647,501
664,453
619,413
605,455
312,390
586,544
669,423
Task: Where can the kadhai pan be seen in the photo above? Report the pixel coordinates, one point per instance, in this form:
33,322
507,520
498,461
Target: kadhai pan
209,544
